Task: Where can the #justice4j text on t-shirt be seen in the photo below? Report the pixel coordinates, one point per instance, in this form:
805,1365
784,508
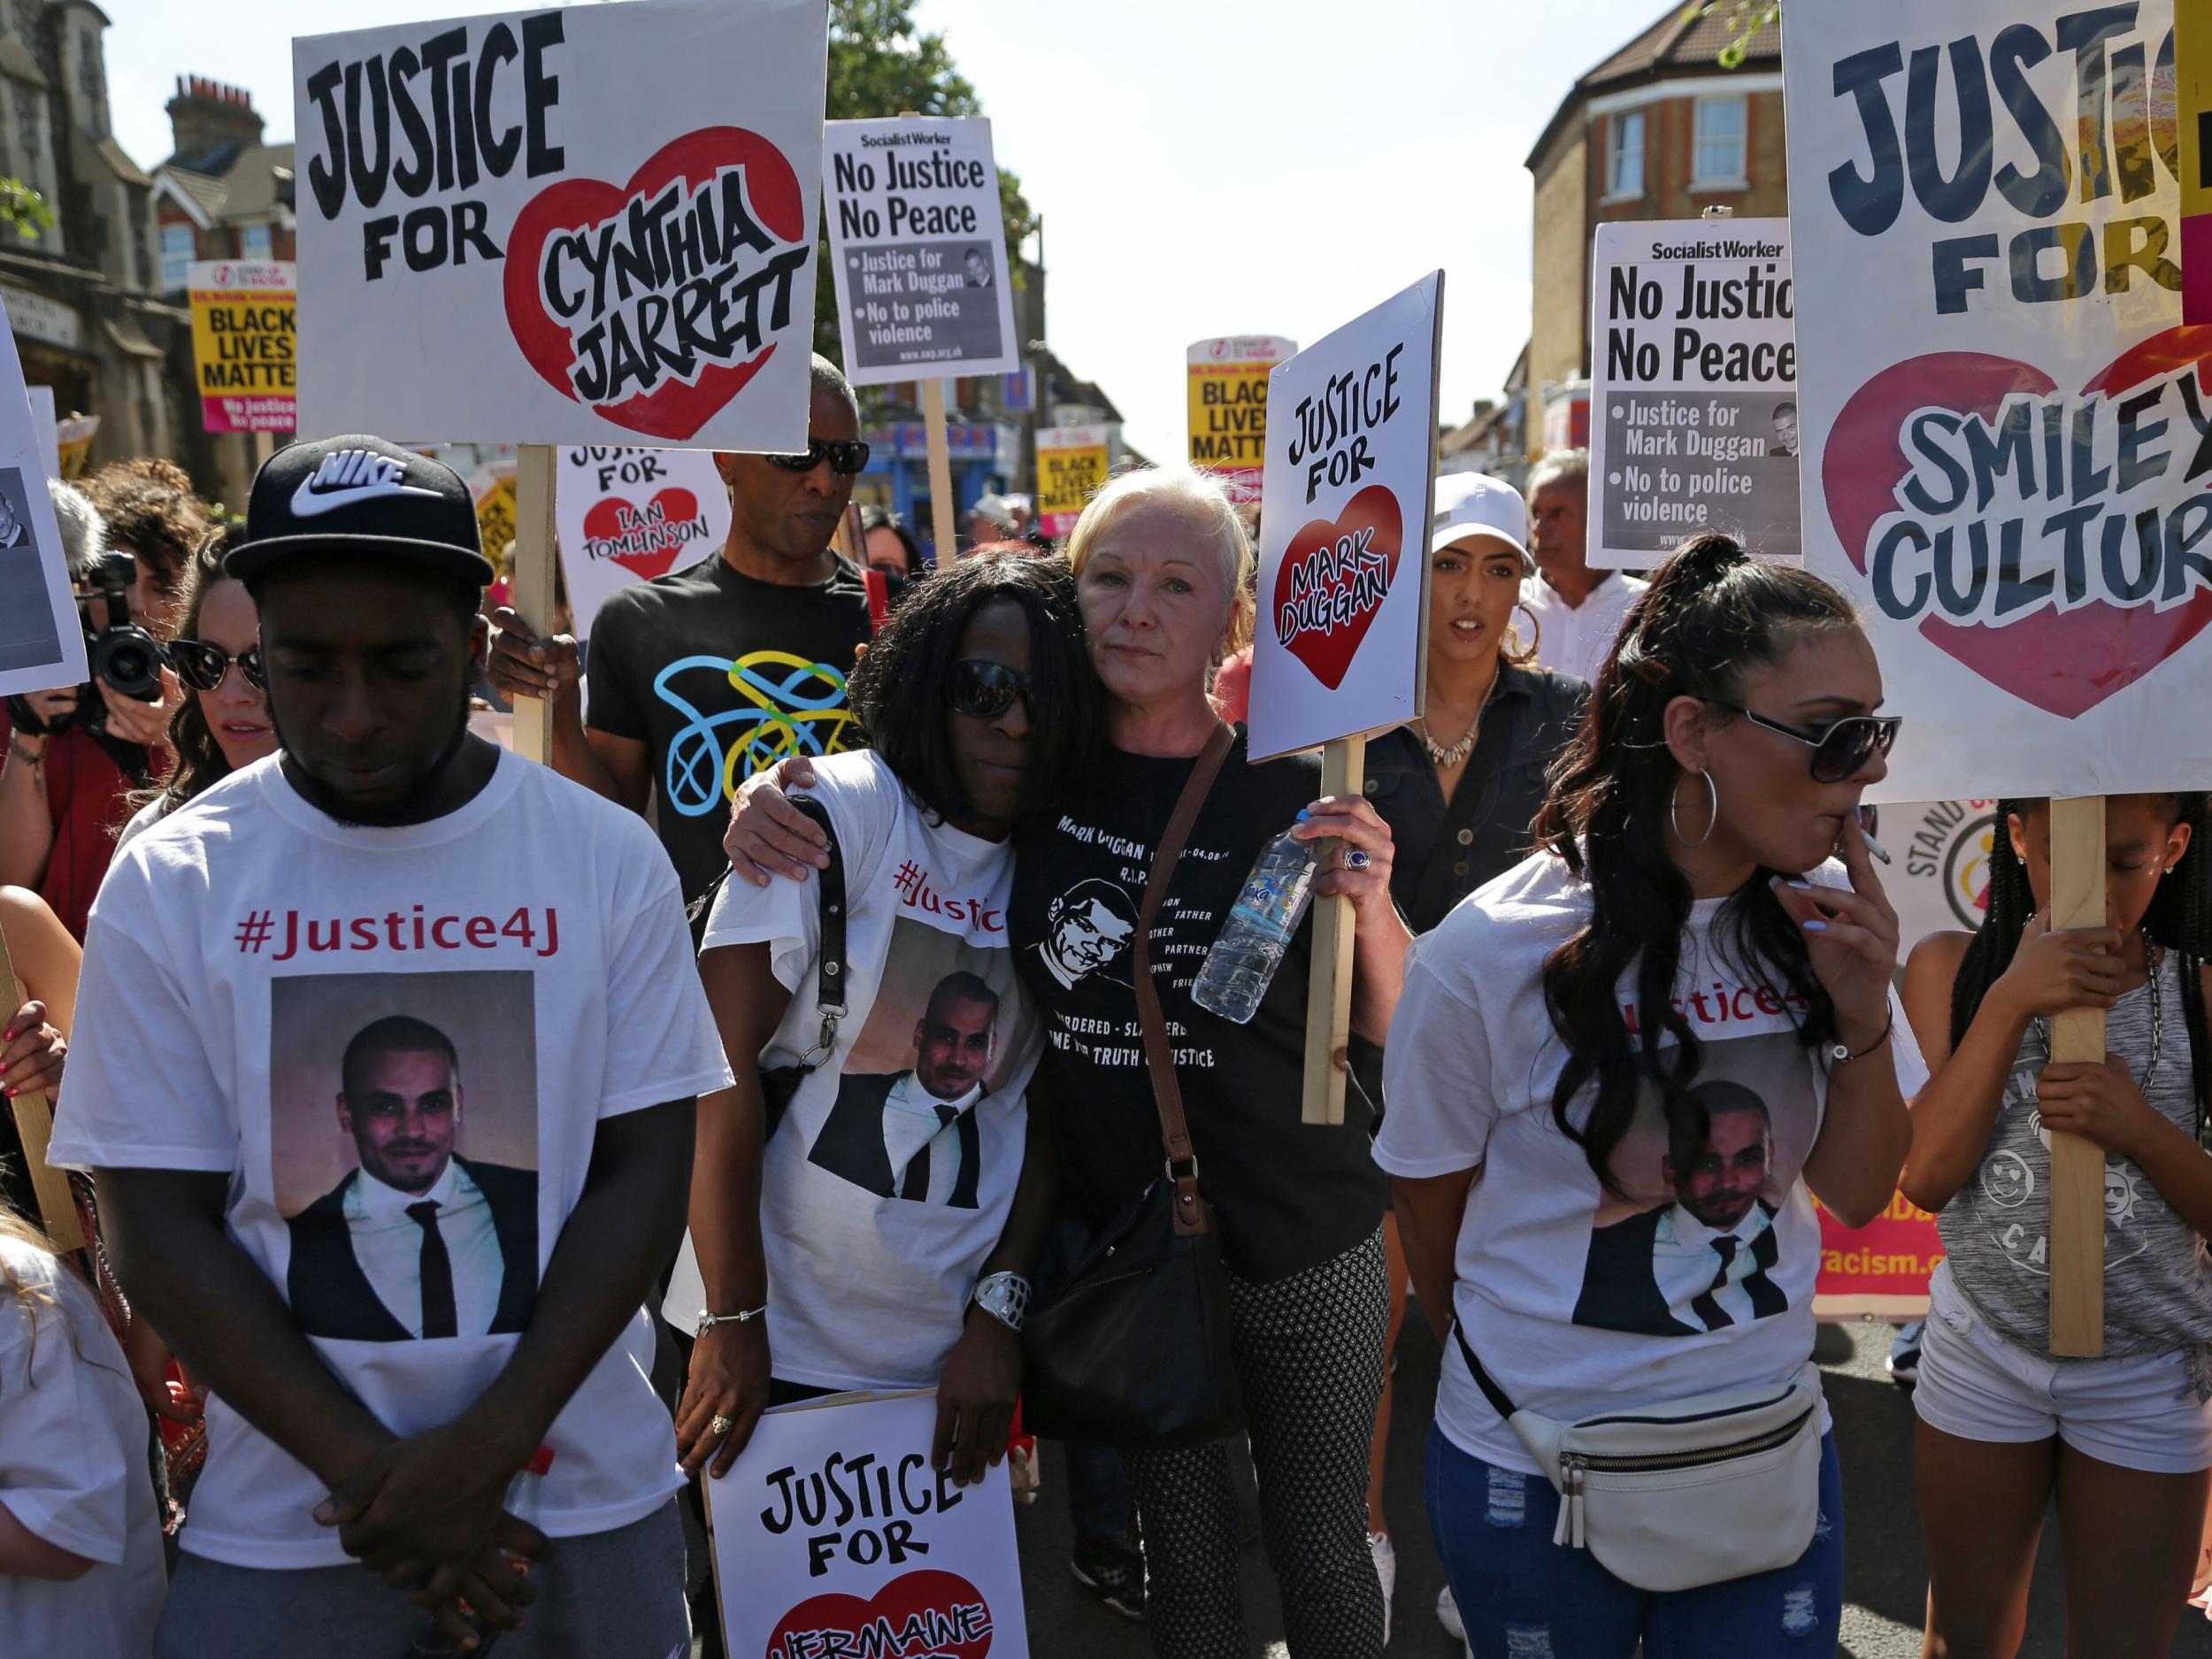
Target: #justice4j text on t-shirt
399,1044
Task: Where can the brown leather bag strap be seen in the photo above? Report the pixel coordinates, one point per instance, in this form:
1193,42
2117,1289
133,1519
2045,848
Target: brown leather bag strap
1167,1093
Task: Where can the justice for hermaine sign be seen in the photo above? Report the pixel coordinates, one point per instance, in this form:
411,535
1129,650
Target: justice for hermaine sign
2007,454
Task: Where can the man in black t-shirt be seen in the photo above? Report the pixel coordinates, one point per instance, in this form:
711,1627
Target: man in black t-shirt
701,678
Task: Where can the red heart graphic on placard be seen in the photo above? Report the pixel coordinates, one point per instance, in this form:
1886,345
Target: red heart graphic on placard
917,1616
659,544
1333,580
2063,662
675,408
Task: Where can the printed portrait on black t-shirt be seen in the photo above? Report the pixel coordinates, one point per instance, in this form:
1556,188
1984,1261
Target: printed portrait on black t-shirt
1689,1246
940,1036
1088,931
404,1146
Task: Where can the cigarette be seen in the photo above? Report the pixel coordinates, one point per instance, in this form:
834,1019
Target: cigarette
1876,847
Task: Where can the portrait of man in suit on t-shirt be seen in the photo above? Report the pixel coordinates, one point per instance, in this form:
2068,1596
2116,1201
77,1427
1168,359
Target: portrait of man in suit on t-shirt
415,1241
1703,1262
912,1134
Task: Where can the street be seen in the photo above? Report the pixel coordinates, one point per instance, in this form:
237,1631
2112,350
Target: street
1884,1580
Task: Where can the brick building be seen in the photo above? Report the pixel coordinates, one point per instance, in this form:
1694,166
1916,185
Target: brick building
81,297
223,194
1658,130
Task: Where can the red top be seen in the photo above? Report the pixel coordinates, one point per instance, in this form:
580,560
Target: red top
87,797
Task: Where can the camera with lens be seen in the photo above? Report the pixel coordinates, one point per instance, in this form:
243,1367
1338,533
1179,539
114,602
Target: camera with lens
122,653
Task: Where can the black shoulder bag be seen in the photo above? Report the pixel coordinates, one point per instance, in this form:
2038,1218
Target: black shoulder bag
779,1083
1132,1348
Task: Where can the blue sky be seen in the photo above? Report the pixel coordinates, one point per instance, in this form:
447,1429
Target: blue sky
1242,168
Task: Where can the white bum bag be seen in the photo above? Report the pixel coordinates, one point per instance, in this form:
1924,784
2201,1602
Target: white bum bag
1693,1492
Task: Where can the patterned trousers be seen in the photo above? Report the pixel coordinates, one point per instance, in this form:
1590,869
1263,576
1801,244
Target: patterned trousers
1309,1357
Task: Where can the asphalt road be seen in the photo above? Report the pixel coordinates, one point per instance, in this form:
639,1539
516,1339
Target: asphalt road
1885,1577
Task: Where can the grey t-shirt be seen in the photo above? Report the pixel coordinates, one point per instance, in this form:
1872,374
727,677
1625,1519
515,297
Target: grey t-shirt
2158,1276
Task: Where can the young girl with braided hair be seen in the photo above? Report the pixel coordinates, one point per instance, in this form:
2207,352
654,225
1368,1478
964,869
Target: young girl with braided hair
2125,1441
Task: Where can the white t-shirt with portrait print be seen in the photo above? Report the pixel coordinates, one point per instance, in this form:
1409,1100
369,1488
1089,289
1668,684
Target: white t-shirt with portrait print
243,944
1577,1299
888,1180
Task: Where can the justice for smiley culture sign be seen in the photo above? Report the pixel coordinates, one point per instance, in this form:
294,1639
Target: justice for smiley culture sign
2007,454
1344,529
588,225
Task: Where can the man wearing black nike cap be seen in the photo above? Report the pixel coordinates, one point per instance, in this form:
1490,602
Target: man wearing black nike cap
389,867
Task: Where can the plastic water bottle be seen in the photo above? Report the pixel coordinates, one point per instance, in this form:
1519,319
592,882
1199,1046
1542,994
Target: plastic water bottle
1242,962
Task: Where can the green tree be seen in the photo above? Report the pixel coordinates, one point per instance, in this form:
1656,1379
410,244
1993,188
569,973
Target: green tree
24,208
881,65
1744,18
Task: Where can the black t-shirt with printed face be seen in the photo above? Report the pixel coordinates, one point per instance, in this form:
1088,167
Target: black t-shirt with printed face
720,675
1289,1195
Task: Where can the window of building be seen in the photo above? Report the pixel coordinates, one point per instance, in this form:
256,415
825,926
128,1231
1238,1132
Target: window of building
254,244
177,249
29,117
1625,175
1720,141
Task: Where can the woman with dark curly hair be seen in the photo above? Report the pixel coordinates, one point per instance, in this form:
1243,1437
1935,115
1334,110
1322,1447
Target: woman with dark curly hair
873,1237
222,722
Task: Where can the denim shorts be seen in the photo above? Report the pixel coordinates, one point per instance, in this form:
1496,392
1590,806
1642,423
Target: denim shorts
2137,1411
1525,1597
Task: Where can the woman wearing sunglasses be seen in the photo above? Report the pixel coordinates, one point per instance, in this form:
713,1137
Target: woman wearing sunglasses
222,724
875,1236
1616,1079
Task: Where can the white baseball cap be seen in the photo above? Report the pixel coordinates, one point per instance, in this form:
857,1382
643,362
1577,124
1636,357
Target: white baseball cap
1470,505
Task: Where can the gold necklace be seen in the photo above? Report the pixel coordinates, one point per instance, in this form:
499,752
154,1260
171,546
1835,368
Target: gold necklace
1449,756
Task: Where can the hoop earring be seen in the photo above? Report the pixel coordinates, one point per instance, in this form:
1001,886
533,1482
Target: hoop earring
1526,655
1674,815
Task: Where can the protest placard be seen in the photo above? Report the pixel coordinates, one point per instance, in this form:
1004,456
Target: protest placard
46,429
42,637
2192,96
495,495
244,334
1071,467
2003,422
1340,649
1879,1269
2004,428
1692,389
1228,407
587,225
627,516
833,1536
917,240
73,438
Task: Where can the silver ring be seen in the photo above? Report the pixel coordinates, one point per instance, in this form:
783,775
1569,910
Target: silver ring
1356,858
720,1424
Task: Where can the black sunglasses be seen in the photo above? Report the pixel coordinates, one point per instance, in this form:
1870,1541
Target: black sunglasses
987,689
1839,749
846,456
202,666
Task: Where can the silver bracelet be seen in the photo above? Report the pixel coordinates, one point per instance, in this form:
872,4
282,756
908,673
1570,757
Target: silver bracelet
1004,1296
708,1321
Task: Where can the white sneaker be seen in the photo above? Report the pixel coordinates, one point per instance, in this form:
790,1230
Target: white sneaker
1448,1615
1386,1555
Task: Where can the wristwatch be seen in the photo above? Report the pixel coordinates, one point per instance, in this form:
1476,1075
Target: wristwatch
1004,1296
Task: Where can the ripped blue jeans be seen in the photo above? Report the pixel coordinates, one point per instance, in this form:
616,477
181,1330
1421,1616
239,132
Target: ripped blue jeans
1525,1597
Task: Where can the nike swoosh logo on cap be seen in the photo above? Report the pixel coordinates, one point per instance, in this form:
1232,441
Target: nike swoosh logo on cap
349,476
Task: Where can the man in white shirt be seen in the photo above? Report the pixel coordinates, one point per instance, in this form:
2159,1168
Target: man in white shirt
1702,1262
1577,609
325,1456
416,1241
913,1134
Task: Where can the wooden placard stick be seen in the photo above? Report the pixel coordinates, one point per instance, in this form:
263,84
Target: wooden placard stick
35,1123
532,585
2078,1037
1329,986
943,516
848,541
